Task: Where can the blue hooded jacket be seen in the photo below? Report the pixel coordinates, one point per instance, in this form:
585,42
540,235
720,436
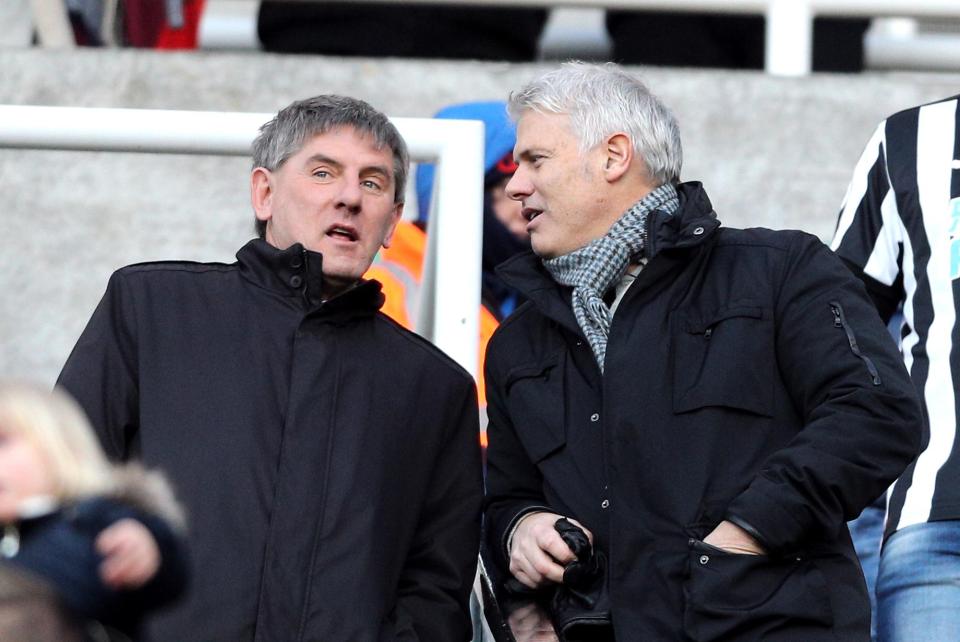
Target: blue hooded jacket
500,135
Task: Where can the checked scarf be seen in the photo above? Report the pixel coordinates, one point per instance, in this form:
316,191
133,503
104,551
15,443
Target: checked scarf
596,267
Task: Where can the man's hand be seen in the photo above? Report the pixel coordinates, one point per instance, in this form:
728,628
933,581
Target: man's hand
733,539
537,553
130,554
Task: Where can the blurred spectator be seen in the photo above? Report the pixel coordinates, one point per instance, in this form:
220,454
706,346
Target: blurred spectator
504,229
416,31
101,537
682,39
161,24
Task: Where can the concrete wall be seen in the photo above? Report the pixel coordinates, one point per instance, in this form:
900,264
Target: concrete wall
772,152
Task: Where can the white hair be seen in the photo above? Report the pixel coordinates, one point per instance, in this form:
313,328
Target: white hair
602,99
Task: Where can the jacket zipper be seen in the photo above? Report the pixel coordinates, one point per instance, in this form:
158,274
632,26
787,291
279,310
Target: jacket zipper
840,321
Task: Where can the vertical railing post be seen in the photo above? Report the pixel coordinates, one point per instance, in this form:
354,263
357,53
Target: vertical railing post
789,38
451,273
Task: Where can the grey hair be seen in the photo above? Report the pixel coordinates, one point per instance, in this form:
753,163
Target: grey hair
285,134
602,99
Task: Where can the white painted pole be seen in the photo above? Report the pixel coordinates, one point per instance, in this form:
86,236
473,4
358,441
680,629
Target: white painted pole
128,130
459,233
450,293
789,38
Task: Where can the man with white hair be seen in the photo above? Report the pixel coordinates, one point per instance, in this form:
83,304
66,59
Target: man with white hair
709,404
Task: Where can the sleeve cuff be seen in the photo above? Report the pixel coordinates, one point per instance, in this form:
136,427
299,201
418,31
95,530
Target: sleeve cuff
750,530
512,526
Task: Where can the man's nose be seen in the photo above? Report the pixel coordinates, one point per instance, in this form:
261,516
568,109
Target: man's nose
518,186
351,194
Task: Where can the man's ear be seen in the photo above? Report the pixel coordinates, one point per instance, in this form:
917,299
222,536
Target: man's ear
396,214
261,193
618,156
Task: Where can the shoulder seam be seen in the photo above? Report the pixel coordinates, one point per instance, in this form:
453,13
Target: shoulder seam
178,266
423,344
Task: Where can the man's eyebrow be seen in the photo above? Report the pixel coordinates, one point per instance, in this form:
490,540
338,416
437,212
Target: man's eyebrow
326,160
376,169
529,153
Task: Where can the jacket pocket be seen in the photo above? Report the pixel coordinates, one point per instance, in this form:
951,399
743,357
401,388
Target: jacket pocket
725,358
728,596
535,401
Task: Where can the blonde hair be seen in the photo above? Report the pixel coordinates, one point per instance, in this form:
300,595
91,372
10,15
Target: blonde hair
54,423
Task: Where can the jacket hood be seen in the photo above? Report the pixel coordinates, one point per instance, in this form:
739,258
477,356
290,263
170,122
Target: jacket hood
500,134
694,221
147,491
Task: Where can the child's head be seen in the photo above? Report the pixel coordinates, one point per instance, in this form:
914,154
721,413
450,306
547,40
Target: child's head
47,448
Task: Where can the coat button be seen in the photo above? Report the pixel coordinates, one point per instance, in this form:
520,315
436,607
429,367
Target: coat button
595,417
296,262
698,231
605,503
296,281
704,559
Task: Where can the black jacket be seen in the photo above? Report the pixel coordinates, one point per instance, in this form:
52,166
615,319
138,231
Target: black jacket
328,459
748,378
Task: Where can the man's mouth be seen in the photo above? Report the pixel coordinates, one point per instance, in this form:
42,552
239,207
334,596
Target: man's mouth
344,232
531,213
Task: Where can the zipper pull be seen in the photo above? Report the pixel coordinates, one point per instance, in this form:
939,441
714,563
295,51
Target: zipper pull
708,333
837,323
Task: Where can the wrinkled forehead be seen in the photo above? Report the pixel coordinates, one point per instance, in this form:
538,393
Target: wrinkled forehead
349,144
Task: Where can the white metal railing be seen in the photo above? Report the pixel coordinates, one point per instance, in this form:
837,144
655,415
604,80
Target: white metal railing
451,276
899,43
789,32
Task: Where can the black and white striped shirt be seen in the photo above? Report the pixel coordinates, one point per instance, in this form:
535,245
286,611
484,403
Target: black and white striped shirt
899,228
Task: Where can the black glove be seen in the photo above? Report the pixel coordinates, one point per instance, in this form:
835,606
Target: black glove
580,607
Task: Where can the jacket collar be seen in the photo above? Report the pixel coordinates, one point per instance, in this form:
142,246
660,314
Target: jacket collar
297,273
667,235
692,224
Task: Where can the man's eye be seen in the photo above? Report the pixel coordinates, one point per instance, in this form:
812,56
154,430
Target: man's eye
371,184
321,173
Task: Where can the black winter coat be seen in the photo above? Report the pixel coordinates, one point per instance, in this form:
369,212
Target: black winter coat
328,459
747,378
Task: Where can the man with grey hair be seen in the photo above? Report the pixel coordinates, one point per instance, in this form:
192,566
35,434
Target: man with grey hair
328,459
709,405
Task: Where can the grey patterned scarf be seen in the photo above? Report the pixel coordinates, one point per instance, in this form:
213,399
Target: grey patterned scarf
596,267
